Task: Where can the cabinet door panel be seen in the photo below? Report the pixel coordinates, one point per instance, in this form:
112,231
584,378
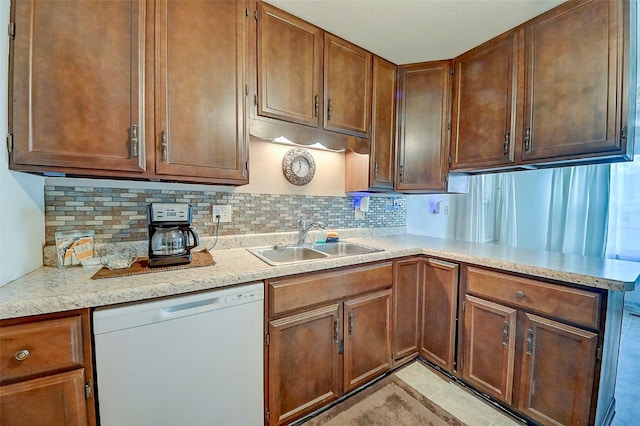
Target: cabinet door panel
406,288
347,85
201,101
51,400
304,363
367,338
76,85
489,347
557,372
383,132
289,67
422,126
439,301
573,96
484,114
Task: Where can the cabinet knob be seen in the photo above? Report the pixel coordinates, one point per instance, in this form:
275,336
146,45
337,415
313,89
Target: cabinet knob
519,294
21,355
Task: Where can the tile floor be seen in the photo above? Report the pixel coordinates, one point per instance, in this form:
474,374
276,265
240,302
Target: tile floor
474,411
628,380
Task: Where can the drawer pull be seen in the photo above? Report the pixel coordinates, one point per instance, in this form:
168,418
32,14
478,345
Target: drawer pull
21,355
519,294
530,342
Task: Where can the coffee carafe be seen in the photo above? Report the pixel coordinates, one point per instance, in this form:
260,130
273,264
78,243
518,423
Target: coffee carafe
171,236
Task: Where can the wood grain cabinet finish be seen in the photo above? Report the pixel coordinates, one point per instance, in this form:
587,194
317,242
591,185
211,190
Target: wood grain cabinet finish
46,370
438,312
347,87
200,100
327,334
423,118
407,285
484,113
289,55
76,86
375,171
575,105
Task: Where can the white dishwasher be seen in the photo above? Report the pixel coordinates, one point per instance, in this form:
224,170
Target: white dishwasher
189,360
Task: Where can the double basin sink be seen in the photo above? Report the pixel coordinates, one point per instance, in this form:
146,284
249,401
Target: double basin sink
280,255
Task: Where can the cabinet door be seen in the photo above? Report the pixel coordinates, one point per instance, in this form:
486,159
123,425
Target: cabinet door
489,347
573,84
347,87
76,86
304,363
289,67
439,295
367,338
407,279
383,131
52,400
422,127
484,103
558,370
200,72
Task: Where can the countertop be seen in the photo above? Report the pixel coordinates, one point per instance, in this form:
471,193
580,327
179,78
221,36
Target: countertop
50,289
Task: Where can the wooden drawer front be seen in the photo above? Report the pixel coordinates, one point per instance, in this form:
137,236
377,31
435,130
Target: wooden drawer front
578,306
293,293
52,345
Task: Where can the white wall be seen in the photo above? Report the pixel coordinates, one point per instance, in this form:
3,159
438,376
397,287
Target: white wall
422,220
21,195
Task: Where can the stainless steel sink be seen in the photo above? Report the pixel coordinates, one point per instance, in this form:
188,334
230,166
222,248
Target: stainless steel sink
280,255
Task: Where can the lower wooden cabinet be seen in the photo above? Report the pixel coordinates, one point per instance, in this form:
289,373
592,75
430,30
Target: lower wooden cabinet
46,373
327,334
545,368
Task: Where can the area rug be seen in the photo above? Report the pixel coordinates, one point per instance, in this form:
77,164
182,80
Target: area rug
387,402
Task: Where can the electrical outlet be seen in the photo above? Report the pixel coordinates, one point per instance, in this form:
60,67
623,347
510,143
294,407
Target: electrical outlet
223,211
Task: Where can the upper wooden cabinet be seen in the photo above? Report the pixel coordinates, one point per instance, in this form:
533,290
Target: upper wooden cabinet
76,86
575,105
347,87
200,99
375,171
484,116
289,54
310,77
423,118
130,89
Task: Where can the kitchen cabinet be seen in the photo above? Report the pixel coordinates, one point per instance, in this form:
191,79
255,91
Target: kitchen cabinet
76,87
576,71
423,120
327,334
46,373
438,312
407,285
375,171
200,127
133,89
485,100
533,345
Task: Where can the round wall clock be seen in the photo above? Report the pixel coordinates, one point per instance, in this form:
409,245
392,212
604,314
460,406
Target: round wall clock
298,166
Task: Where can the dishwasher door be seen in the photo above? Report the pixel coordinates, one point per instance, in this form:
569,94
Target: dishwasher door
191,360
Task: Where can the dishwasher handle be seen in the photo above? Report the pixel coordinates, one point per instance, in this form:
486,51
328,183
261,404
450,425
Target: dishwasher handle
190,308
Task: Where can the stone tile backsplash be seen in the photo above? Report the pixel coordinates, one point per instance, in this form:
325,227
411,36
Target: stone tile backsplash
118,215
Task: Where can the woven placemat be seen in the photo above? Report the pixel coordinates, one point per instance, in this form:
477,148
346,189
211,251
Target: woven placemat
141,266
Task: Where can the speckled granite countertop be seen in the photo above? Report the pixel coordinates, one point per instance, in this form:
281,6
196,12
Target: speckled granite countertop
50,289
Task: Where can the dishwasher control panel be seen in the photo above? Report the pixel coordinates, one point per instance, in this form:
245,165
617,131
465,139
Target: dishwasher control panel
244,297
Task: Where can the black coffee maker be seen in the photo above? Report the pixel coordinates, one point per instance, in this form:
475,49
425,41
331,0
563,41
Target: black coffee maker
171,236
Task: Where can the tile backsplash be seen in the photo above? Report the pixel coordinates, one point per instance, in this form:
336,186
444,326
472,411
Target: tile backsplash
119,215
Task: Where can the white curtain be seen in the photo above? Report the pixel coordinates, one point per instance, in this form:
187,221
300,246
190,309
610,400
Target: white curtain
579,210
488,212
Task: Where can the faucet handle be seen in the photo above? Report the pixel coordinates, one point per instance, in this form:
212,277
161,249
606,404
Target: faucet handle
302,224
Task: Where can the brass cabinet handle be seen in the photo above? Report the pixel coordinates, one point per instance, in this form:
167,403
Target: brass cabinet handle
21,355
134,141
165,146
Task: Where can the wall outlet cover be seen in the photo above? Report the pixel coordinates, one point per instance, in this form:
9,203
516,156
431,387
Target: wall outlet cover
223,211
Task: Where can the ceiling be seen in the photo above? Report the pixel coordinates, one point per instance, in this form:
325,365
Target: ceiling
407,31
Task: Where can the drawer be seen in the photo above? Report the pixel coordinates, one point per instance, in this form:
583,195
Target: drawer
40,347
289,294
574,305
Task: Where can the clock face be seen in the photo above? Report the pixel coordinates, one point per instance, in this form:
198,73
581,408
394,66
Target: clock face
298,166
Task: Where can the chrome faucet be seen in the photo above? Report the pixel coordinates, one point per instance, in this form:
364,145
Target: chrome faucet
303,229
